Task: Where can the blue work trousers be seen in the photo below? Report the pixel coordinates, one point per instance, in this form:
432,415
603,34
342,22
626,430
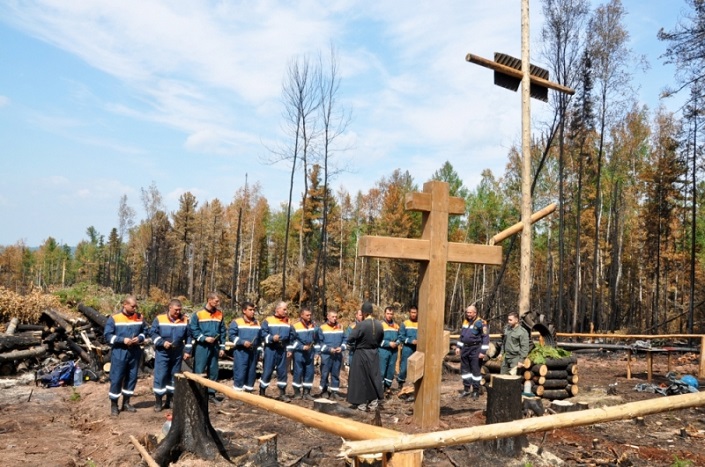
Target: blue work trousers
406,352
124,367
166,364
245,368
387,365
330,366
303,369
274,358
205,360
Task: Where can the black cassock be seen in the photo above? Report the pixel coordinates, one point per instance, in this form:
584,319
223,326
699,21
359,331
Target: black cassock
365,381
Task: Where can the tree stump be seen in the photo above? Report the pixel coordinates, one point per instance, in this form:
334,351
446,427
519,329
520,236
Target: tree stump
504,404
267,454
191,428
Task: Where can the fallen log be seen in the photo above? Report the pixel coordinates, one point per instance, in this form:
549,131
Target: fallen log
492,366
22,354
560,363
75,348
538,380
555,384
95,316
540,370
460,436
58,320
572,389
553,394
572,379
556,374
572,369
33,327
9,342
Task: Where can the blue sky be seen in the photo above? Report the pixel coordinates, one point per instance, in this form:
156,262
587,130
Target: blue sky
102,98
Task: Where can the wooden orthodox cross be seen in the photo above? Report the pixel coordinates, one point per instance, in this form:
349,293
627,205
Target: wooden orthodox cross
434,251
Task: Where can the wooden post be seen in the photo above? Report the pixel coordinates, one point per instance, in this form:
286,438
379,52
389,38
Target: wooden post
433,251
629,363
504,405
649,365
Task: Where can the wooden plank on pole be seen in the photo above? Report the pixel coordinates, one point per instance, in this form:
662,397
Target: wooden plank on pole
414,369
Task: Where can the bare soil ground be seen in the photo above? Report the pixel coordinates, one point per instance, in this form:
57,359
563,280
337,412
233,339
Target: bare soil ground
72,426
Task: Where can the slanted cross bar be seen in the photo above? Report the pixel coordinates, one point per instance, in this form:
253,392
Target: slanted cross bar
434,251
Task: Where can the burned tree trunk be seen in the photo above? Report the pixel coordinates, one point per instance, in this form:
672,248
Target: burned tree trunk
191,429
93,315
59,320
9,342
504,405
21,354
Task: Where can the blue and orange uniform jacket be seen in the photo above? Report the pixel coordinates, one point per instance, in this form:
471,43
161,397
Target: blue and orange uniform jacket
408,333
330,337
304,334
206,324
241,331
475,333
119,326
271,326
164,329
391,334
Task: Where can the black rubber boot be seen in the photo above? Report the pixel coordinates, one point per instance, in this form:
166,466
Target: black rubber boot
297,393
307,394
114,410
126,406
282,395
158,403
263,391
169,399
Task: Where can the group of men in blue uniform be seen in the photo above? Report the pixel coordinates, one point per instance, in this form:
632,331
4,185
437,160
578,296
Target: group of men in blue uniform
204,337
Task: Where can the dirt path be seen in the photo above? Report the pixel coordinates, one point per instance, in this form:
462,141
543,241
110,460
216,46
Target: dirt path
72,427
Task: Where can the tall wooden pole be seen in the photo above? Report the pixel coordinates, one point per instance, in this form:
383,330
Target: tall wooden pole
525,266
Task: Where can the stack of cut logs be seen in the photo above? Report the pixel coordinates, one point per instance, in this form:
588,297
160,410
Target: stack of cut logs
554,379
25,346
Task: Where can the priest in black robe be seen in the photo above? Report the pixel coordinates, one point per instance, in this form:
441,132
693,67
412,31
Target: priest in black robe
365,381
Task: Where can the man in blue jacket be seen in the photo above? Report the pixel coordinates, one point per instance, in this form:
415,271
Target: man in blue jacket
208,333
388,349
330,342
302,347
473,345
125,332
244,333
172,342
276,334
408,335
